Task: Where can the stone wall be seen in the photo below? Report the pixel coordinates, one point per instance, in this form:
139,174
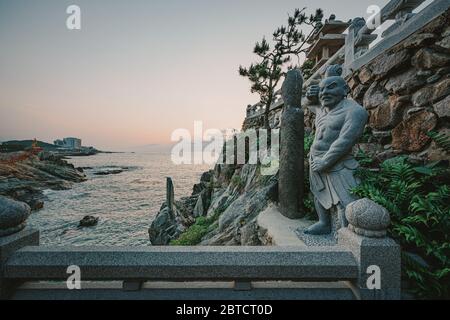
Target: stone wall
406,91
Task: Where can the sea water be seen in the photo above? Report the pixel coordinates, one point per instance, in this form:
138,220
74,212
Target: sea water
126,203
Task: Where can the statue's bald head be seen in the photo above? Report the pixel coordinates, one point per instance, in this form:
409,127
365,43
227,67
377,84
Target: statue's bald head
333,90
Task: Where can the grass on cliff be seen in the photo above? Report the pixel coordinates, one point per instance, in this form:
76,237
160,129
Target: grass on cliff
194,234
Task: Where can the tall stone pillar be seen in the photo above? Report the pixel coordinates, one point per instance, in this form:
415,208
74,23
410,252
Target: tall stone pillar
291,174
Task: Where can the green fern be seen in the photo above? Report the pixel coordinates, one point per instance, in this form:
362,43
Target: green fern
442,140
418,199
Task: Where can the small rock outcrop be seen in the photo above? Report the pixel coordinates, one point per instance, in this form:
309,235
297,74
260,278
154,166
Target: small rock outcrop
89,221
231,195
24,176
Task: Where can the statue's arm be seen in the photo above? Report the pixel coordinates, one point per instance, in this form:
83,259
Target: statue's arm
311,99
350,133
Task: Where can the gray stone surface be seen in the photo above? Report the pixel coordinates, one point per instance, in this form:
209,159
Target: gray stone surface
417,22
427,58
13,215
184,263
291,172
374,96
280,230
190,291
387,62
367,218
442,108
381,252
170,195
8,246
405,82
316,241
339,124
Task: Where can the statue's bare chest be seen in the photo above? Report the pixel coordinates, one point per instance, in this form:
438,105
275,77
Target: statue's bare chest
328,126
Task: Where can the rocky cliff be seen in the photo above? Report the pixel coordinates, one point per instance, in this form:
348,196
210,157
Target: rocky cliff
406,91
24,176
228,198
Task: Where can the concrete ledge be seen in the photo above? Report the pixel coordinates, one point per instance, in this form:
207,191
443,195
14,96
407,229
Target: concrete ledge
184,263
281,229
8,246
189,291
16,241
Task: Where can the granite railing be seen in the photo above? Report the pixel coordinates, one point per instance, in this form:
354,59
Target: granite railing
357,51
31,271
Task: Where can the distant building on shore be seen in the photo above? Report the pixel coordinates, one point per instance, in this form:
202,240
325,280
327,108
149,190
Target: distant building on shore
68,143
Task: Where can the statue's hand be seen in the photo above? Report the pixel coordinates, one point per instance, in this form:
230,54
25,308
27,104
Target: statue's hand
318,165
312,93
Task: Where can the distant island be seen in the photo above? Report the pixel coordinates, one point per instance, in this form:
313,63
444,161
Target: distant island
28,167
66,147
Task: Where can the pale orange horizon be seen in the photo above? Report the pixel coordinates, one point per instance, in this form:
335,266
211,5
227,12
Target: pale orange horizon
137,70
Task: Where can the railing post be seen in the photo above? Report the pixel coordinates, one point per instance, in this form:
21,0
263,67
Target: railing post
378,256
401,13
13,236
8,245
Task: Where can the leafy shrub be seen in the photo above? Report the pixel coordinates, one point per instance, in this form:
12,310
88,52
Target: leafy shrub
194,234
442,140
418,199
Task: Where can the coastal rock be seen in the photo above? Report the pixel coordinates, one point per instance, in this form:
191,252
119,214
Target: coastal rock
423,96
406,82
374,96
163,228
387,115
437,153
358,92
203,202
13,216
365,75
411,134
385,155
444,43
388,62
442,108
24,176
88,221
441,89
418,40
205,180
427,58
108,172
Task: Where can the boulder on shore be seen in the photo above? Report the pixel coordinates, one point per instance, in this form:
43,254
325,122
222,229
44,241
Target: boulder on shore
88,221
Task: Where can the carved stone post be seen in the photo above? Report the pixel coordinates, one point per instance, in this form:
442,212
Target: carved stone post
13,236
378,256
291,174
170,196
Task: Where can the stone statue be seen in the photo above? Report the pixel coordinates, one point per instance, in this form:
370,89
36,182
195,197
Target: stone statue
291,173
339,123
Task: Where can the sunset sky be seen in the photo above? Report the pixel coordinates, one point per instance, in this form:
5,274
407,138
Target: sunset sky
137,69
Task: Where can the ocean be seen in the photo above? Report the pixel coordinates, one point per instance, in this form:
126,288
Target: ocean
126,203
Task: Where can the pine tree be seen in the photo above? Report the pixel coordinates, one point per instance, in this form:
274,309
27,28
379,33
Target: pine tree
288,41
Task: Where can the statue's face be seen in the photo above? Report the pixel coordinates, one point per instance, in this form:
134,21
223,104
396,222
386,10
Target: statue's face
331,91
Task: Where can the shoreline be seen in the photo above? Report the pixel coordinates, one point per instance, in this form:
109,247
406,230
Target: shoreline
24,176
